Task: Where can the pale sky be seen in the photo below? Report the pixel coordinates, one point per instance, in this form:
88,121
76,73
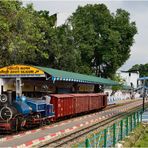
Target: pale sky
138,12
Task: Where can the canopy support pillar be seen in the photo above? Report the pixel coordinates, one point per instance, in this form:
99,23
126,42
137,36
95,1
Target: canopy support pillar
18,87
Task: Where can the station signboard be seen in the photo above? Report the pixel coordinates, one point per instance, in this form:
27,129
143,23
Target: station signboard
20,70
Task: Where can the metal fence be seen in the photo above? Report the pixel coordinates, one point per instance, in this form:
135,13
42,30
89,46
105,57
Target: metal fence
112,134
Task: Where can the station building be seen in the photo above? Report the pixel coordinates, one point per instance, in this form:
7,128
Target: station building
34,80
130,77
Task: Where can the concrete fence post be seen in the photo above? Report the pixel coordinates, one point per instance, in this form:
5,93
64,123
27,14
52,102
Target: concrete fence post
105,137
131,122
137,117
134,119
121,129
127,126
87,143
114,134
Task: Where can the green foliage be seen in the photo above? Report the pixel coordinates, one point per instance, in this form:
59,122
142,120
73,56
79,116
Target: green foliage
64,55
121,81
142,68
102,37
92,41
23,36
133,139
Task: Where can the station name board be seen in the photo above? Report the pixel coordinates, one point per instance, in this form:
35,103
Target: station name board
20,70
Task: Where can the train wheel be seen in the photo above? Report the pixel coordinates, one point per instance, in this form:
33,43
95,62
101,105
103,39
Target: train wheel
21,122
14,125
48,122
18,123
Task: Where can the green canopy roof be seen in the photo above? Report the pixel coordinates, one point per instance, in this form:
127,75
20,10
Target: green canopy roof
60,75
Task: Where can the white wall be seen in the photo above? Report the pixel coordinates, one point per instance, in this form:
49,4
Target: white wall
129,78
119,95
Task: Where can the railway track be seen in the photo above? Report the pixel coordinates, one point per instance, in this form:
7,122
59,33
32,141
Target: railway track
65,140
21,132
42,135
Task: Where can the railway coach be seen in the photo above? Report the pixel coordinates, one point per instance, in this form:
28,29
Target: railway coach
67,105
32,95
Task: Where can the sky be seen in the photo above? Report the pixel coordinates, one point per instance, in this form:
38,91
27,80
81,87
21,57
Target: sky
138,12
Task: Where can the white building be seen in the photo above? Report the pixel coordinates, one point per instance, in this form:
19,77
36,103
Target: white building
129,77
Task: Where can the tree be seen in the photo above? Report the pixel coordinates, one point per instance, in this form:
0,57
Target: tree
121,82
23,36
66,57
102,38
7,16
142,68
92,41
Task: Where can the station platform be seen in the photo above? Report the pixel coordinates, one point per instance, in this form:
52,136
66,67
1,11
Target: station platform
34,137
123,101
128,100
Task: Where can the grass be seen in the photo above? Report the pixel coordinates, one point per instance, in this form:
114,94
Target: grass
138,138
143,140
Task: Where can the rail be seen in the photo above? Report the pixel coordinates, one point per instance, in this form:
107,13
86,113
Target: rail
109,136
67,139
4,135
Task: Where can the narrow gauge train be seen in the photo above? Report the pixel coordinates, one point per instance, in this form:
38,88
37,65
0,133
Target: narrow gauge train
24,112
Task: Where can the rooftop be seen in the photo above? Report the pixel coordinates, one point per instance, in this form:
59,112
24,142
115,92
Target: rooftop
20,70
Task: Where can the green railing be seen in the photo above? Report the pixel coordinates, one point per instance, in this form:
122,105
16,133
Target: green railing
112,134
